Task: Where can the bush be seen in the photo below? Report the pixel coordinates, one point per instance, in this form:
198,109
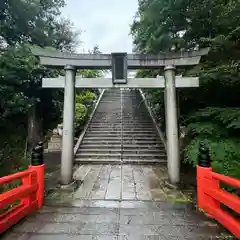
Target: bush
80,116
220,128
84,104
86,98
12,147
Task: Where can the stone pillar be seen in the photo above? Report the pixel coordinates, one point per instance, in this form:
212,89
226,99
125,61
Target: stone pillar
172,125
68,126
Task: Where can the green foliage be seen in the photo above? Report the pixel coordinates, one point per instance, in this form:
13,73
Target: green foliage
13,145
90,73
36,22
211,111
218,127
86,98
26,110
80,116
84,104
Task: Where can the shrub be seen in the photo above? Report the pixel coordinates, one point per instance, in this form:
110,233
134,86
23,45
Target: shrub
220,128
84,104
80,116
86,98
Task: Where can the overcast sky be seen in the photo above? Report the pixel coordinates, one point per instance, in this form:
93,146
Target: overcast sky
103,22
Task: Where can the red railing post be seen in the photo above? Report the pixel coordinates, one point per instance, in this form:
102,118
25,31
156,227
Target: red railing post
28,181
38,166
201,197
40,181
205,201
204,170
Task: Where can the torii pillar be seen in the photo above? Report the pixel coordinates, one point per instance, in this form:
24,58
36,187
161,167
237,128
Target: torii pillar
68,125
172,125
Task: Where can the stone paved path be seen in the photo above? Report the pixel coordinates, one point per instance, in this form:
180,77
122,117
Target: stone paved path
125,182
107,220
117,203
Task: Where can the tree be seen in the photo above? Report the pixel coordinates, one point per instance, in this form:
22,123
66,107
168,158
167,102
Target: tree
23,100
28,20
173,25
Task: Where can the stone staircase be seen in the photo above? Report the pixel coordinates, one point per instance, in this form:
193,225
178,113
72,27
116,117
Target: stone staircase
121,131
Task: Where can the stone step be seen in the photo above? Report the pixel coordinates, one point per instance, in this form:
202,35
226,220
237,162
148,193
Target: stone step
130,130
143,161
124,126
127,139
119,161
143,130
122,131
105,129
91,151
141,126
105,125
98,161
104,133
118,141
119,134
107,122
125,146
97,155
114,122
144,148
94,141
139,138
100,146
105,138
144,142
144,155
136,118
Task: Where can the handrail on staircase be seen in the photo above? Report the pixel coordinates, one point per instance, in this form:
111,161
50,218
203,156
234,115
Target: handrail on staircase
28,196
160,133
211,196
86,126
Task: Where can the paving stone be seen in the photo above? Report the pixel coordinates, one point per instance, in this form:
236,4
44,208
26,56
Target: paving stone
137,229
72,237
90,209
124,182
66,228
146,237
15,236
75,218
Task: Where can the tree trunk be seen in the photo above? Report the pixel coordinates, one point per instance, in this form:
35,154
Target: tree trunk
34,129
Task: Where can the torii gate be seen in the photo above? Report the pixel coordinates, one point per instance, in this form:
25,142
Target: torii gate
119,63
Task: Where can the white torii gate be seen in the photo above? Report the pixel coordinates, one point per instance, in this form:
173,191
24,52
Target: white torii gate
120,63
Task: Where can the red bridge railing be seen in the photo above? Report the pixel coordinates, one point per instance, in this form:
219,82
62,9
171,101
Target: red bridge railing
25,198
211,196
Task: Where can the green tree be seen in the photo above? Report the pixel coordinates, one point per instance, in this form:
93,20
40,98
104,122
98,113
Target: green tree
23,101
174,25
